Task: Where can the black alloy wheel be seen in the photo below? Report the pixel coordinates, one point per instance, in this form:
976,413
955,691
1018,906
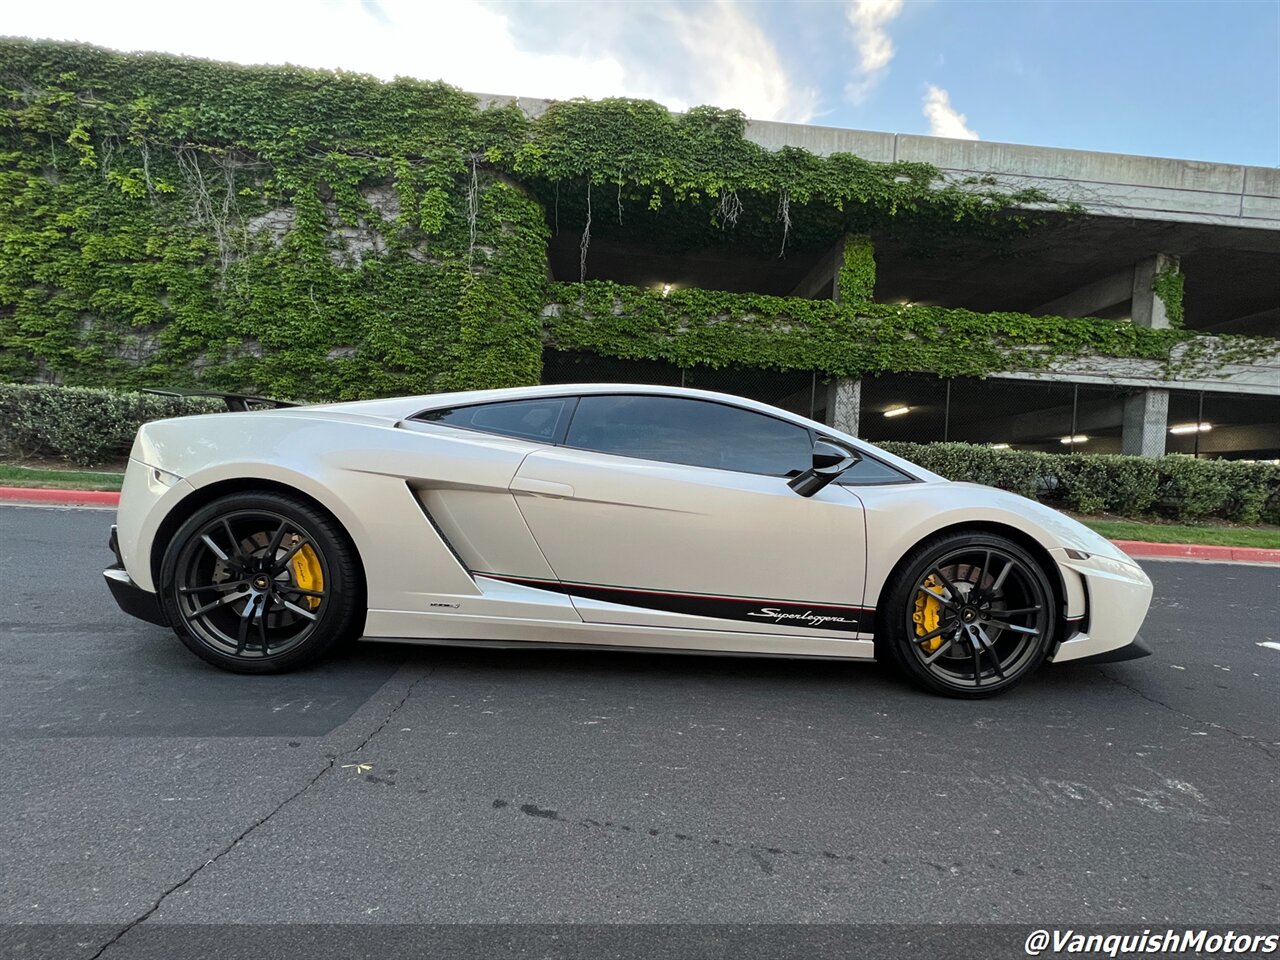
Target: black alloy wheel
260,583
969,615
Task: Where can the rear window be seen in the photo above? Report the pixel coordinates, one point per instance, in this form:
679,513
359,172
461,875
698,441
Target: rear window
523,419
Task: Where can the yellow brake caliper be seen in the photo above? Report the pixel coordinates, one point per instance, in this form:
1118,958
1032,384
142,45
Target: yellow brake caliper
307,573
928,614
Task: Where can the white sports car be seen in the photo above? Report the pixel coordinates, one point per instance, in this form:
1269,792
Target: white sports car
600,515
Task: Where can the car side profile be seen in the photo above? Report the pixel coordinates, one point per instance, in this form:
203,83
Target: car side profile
601,516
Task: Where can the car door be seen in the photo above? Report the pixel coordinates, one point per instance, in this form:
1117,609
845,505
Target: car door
675,511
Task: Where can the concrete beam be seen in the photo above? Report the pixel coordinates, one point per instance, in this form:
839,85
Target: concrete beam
1125,285
820,282
1146,424
1264,323
823,141
1109,184
1091,298
1259,377
1105,184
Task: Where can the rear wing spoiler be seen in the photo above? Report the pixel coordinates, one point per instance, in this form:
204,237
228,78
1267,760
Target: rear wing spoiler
236,402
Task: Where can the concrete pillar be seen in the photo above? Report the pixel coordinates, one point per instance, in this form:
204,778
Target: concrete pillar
1145,424
1145,427
844,404
1148,309
844,395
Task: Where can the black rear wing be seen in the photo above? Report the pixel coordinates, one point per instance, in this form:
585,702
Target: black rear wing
236,402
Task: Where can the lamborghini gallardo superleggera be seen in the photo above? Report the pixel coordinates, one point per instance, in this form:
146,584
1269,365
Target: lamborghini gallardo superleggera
600,516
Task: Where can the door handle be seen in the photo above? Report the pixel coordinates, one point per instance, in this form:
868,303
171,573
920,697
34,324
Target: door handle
541,488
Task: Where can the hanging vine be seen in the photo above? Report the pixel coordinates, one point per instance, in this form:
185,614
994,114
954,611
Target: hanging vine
784,217
730,208
473,209
586,238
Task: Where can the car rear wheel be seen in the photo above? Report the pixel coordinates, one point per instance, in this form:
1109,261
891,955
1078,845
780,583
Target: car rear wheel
260,583
968,615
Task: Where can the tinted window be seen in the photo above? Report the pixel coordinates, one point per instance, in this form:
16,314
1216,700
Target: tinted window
695,432
525,419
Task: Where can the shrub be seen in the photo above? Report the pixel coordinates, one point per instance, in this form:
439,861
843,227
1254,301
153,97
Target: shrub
975,463
84,425
1221,488
1106,483
1177,485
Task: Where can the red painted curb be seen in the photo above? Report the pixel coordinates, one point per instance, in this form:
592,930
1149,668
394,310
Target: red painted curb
68,497
1197,551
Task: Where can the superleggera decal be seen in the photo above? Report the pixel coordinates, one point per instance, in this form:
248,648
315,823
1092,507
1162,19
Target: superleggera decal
806,619
813,616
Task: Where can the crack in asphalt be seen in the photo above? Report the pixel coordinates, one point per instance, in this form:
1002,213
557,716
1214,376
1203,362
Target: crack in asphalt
1243,737
330,765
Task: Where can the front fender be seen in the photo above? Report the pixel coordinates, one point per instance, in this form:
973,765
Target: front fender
902,515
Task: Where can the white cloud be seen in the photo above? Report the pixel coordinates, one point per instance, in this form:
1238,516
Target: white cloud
738,66
710,53
871,39
461,42
944,119
678,53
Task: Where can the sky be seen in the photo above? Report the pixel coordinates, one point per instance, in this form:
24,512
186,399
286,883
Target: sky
1187,79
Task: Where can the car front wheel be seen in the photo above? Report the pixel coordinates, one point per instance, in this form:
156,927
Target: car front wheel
260,583
968,615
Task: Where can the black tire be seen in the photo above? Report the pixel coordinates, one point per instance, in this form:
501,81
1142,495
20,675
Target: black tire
261,583
968,615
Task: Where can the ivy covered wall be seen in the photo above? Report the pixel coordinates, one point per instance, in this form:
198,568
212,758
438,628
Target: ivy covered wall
166,221
302,233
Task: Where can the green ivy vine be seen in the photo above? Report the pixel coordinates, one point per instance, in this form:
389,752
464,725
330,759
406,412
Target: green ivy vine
170,221
858,338
1167,286
856,276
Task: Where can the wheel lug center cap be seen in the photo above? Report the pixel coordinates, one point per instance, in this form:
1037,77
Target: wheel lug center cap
261,582
969,614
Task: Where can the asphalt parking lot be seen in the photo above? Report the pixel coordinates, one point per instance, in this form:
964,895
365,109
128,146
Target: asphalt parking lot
419,785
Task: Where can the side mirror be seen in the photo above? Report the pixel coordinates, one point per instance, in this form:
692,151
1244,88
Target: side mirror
830,459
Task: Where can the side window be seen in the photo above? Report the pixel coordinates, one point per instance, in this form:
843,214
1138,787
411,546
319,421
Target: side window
523,419
868,472
699,433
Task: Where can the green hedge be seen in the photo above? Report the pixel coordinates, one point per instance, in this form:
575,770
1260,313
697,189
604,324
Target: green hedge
1175,486
89,426
84,425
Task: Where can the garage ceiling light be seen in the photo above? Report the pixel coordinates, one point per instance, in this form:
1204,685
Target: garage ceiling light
1075,438
1181,428
897,411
